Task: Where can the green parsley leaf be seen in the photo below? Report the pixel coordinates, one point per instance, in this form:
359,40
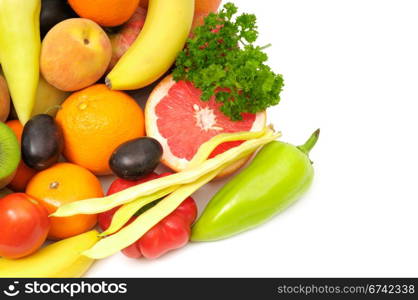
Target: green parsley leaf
222,60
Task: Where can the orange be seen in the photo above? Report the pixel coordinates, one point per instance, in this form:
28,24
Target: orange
95,121
105,12
23,172
60,184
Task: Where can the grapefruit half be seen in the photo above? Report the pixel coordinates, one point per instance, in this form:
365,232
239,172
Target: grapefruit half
177,117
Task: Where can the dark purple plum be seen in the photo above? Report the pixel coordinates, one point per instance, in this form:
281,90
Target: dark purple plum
42,142
136,158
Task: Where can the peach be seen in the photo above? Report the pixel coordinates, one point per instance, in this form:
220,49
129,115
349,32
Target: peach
75,54
4,100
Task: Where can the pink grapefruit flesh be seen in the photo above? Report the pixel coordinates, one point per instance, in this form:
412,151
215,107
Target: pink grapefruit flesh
177,117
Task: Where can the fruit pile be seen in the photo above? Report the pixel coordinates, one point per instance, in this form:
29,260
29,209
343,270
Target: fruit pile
66,119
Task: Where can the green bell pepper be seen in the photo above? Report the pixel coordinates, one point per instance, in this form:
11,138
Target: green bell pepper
279,174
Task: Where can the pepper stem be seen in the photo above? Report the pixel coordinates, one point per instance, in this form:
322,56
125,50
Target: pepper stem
310,143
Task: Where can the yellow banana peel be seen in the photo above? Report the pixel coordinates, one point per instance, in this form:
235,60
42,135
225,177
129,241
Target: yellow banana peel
165,32
60,259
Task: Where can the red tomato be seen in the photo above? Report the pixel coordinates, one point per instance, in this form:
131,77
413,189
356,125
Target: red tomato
24,225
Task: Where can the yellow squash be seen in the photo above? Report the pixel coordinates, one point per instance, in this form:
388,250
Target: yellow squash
20,46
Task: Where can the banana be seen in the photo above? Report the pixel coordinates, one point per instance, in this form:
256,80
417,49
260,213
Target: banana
20,45
163,36
60,259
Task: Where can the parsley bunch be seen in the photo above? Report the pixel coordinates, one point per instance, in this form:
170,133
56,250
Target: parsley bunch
222,60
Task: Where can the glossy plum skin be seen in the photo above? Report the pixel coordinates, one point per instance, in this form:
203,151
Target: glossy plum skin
42,142
136,158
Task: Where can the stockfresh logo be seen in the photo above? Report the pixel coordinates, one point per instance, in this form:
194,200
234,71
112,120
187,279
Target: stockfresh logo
69,288
12,289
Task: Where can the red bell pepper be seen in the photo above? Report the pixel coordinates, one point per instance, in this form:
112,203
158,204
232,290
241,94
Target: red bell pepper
170,233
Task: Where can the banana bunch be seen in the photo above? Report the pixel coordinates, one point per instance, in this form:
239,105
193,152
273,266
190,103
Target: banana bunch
20,47
163,36
60,259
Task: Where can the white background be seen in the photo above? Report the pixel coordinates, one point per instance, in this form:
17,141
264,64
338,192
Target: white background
350,68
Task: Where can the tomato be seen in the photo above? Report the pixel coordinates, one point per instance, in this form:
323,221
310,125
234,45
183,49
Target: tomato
24,225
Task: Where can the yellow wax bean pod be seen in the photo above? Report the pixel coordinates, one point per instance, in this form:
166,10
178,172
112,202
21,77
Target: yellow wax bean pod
131,233
97,205
123,214
207,148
